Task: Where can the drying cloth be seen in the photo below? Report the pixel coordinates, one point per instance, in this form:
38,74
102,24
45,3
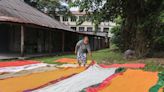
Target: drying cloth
69,61
132,81
21,68
102,85
17,63
106,82
68,65
93,75
159,84
27,72
140,65
19,84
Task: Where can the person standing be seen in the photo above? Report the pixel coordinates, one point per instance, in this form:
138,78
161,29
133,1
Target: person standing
81,49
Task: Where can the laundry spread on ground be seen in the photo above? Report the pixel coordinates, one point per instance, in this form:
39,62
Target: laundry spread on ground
19,84
69,61
93,75
131,81
95,78
21,68
102,85
17,63
27,72
159,84
137,65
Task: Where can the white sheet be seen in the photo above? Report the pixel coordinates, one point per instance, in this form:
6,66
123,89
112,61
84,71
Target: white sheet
21,68
93,75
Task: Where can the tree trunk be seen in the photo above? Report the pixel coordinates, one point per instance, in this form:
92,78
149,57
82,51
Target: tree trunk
136,38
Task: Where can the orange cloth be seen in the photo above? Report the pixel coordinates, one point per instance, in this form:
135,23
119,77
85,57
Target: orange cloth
70,61
19,84
132,81
67,60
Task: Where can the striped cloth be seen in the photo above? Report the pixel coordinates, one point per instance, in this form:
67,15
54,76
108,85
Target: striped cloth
93,75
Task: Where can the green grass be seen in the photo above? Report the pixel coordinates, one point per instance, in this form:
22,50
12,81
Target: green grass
106,56
151,66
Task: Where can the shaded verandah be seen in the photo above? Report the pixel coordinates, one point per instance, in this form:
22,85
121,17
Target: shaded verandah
26,39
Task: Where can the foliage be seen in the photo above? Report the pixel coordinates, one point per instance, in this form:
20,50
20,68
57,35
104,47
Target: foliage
116,31
51,7
159,34
139,19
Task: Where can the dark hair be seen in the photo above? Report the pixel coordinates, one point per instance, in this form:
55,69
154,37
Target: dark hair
85,36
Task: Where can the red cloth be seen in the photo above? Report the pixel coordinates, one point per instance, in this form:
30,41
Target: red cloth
17,63
104,84
139,65
107,81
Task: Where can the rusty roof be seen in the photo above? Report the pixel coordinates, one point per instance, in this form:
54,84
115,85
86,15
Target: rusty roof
20,12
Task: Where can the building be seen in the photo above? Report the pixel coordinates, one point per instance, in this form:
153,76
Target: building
87,26
25,31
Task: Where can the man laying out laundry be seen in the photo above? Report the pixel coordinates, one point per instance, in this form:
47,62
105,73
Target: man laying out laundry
81,50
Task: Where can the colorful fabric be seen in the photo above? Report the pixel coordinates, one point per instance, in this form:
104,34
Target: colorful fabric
17,63
138,65
102,85
131,81
69,61
107,81
19,84
21,68
27,72
93,75
160,83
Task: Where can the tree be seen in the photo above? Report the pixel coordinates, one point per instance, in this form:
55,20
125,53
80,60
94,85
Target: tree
139,19
52,7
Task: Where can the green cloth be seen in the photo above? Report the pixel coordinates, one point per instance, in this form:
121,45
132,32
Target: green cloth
160,83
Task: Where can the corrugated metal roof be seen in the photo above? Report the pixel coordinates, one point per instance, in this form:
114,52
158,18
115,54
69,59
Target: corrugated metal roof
18,11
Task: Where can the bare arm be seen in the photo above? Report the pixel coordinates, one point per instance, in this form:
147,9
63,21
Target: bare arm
77,46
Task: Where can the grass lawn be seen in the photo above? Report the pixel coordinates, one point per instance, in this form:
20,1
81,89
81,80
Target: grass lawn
107,56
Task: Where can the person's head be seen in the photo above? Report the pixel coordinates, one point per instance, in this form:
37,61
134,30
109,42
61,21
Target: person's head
86,40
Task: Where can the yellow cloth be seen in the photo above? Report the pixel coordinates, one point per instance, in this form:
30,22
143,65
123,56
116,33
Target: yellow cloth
19,84
132,81
70,61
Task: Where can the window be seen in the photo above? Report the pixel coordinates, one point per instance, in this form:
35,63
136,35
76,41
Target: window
99,29
89,29
57,18
73,18
81,29
65,18
74,28
106,30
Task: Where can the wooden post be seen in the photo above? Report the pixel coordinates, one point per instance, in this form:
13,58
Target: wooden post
22,41
63,41
99,43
